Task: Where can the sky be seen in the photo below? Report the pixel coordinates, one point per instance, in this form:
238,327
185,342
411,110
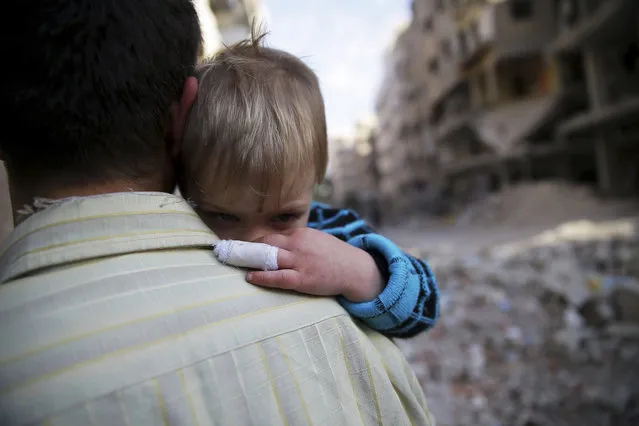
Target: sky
343,41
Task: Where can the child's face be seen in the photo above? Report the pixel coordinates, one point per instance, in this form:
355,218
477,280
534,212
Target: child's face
248,217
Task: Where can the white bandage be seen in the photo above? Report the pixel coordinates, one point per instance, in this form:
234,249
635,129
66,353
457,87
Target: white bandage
246,255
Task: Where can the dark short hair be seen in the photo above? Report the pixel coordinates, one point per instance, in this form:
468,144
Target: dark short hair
87,85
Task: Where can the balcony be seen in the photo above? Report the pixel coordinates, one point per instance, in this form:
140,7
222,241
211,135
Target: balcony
456,127
488,161
623,112
505,127
602,21
477,38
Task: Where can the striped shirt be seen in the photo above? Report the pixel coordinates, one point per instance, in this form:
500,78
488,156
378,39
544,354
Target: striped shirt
114,311
409,303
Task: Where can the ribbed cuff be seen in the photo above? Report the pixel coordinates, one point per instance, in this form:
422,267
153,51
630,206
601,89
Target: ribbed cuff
397,301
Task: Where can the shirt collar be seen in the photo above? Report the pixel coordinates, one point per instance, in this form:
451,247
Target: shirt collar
80,229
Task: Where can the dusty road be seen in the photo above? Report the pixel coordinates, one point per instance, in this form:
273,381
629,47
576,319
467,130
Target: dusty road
443,237
517,213
462,241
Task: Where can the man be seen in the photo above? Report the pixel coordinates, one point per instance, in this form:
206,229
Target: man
113,310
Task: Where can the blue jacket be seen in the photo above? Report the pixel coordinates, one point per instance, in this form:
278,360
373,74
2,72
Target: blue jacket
409,303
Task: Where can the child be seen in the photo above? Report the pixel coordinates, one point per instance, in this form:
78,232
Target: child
255,145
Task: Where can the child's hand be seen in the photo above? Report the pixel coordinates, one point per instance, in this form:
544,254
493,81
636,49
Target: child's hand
314,262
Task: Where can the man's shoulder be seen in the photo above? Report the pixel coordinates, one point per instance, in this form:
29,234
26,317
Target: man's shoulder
139,316
173,293
155,320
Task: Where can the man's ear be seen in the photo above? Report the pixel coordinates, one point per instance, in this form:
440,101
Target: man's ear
181,110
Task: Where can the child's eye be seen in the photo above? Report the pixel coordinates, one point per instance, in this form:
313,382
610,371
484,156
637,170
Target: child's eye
225,217
285,218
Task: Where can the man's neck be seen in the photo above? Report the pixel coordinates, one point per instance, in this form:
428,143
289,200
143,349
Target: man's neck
25,202
103,188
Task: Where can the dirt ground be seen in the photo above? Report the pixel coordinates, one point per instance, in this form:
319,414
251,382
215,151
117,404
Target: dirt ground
443,237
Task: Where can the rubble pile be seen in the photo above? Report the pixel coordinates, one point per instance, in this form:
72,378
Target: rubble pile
544,332
551,201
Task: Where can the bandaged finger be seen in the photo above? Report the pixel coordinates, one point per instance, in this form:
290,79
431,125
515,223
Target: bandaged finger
247,255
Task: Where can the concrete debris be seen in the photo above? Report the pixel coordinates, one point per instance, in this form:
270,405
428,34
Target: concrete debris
543,332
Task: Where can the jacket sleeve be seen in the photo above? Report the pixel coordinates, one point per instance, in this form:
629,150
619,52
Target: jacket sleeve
409,304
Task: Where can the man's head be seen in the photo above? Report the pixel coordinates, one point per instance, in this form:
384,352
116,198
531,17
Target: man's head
255,141
92,89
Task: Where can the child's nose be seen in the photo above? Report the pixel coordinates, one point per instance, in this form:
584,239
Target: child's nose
257,233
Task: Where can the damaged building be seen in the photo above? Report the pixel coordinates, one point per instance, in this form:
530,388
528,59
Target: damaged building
601,37
507,93
518,90
353,171
403,145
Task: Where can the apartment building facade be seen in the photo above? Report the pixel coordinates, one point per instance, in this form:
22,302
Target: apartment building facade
508,93
520,89
415,74
353,172
601,39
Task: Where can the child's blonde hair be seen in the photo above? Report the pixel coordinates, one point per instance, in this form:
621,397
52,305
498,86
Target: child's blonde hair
258,120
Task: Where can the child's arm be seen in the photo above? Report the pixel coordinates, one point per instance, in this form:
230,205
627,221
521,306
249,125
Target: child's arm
409,303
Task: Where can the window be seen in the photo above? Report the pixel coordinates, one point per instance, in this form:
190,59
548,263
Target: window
413,95
567,12
519,85
475,147
575,68
404,131
474,31
630,58
447,50
521,10
419,186
428,24
400,67
482,85
433,65
463,43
